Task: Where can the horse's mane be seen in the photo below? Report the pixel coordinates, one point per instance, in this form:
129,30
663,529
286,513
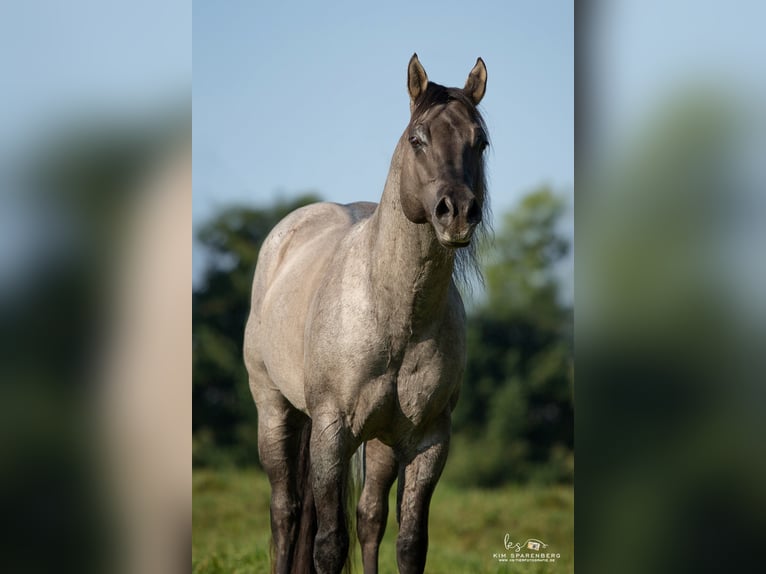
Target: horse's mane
467,259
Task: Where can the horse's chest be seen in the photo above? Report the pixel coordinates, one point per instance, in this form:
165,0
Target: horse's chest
426,380
399,405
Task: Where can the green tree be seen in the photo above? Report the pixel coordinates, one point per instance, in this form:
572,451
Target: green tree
224,417
514,420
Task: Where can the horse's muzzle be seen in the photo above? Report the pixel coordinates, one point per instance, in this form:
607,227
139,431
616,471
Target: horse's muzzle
455,216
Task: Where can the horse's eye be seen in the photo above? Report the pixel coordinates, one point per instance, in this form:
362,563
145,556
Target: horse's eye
483,145
415,141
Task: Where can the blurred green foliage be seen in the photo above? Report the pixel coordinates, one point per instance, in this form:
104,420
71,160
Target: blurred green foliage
514,420
66,202
670,331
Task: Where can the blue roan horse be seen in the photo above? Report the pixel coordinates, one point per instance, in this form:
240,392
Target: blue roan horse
357,335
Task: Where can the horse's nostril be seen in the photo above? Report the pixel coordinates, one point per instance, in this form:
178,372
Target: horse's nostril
473,215
443,208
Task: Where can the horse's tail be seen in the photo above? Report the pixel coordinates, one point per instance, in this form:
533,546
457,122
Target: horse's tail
354,484
303,558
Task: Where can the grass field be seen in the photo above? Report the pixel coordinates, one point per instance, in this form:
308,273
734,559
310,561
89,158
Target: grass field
231,526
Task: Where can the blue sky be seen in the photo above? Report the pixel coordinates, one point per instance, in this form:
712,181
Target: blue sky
295,95
62,61
641,53
291,96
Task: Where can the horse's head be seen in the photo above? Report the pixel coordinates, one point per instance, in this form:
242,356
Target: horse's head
442,178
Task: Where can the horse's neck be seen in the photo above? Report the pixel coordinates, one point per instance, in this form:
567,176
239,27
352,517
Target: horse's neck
411,272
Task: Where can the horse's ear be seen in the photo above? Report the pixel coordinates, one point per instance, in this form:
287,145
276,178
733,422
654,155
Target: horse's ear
417,80
476,84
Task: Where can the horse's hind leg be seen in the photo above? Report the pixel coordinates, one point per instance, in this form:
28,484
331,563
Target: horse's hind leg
380,470
280,426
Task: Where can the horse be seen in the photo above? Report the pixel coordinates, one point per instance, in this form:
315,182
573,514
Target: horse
356,336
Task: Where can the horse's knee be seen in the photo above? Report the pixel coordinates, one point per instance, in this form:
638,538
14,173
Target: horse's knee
285,511
369,511
371,516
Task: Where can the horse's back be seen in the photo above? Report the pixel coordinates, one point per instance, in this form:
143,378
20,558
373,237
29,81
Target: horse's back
291,264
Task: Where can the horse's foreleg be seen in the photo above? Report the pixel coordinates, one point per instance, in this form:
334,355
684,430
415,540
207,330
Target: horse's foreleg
380,469
330,453
420,477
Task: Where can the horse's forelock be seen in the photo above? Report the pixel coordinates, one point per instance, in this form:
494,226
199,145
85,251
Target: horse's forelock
436,94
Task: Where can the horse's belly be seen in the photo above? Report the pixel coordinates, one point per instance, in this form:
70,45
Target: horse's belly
292,268
284,321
